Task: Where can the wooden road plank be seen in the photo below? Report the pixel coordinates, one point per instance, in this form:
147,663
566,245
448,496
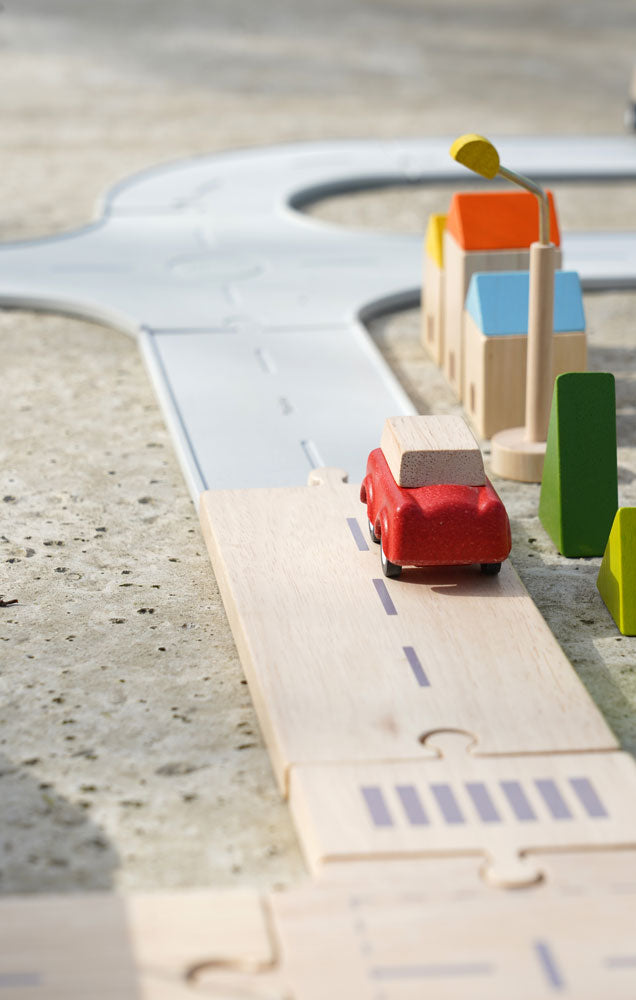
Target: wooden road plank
503,808
364,939
400,945
141,947
344,665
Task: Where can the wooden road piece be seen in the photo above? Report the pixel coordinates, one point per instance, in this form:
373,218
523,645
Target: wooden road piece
173,934
617,576
501,808
361,940
427,450
581,872
147,946
579,491
445,933
401,945
344,666
66,948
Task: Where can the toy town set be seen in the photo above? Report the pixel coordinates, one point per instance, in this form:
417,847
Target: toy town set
467,816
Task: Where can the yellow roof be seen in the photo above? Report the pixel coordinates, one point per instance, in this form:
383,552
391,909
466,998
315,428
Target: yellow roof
435,238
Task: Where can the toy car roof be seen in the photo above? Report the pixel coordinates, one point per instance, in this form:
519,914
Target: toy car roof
429,450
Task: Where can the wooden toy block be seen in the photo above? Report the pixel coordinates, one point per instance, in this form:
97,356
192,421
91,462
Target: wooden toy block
589,872
617,576
579,491
426,450
343,666
485,231
495,344
407,939
433,289
503,808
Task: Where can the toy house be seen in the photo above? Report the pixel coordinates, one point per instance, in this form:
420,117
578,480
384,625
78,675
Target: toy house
485,231
495,344
432,299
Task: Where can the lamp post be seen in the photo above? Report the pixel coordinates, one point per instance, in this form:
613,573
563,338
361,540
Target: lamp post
518,453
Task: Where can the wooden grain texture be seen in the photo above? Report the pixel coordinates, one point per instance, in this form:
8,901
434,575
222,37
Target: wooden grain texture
427,450
401,945
579,490
458,877
495,374
66,948
432,332
173,934
512,456
540,364
406,939
140,947
616,580
344,666
498,807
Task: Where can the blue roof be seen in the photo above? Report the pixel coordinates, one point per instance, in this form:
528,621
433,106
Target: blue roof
498,302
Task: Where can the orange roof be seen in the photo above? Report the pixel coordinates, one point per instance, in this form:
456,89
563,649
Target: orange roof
497,220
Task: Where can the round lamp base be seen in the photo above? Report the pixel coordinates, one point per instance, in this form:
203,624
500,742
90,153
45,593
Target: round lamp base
514,457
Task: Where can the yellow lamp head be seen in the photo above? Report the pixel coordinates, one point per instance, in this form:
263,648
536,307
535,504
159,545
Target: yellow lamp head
476,153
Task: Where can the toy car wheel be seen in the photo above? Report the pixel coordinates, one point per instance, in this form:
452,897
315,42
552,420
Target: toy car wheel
490,569
374,538
392,570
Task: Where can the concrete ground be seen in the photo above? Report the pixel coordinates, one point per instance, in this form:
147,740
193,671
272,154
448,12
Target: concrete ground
130,755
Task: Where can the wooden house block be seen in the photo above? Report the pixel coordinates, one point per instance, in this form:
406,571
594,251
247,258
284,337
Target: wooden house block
579,491
502,808
433,289
425,450
617,576
496,340
344,666
485,231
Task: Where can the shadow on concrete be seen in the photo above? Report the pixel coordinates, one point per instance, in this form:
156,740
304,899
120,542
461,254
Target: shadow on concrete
56,939
48,844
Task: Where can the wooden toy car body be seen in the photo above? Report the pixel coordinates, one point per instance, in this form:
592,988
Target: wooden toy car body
436,525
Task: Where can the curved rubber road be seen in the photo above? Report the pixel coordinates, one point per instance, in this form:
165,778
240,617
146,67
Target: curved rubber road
249,313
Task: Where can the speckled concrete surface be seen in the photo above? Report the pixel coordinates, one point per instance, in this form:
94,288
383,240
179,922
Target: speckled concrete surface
130,755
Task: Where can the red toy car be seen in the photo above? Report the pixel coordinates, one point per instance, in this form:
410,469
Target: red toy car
440,523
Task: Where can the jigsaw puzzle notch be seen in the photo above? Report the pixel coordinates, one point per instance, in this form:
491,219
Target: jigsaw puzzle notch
327,476
507,868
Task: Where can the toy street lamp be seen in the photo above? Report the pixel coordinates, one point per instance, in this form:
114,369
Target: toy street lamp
518,453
